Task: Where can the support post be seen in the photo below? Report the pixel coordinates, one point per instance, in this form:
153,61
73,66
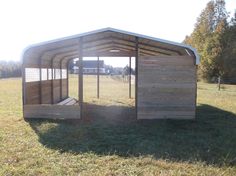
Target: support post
79,79
129,77
219,82
81,76
98,77
47,73
52,85
67,79
61,80
40,82
136,74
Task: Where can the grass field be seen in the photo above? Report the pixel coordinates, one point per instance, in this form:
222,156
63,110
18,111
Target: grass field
112,91
205,146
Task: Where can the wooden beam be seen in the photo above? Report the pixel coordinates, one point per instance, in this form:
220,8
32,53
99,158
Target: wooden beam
106,54
81,75
127,46
52,86
111,38
136,74
55,111
107,49
130,77
40,81
64,53
67,78
146,53
98,75
60,80
59,57
108,45
130,41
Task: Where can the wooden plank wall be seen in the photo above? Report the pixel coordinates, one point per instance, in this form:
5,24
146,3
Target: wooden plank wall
46,92
52,111
33,89
64,88
166,87
56,91
32,93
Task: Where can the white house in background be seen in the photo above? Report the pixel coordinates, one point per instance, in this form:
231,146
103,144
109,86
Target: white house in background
90,67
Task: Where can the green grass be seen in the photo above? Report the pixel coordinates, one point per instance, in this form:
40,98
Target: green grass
103,145
111,92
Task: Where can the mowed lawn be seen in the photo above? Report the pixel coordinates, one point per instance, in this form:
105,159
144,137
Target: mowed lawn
204,146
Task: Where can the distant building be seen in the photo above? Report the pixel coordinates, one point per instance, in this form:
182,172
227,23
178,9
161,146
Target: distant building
90,67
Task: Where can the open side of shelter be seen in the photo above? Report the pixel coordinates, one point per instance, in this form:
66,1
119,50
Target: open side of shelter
165,81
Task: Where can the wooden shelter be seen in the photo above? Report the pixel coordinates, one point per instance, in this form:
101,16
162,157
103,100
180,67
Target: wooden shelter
165,80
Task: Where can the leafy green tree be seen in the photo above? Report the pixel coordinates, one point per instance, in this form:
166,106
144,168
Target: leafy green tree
229,52
206,38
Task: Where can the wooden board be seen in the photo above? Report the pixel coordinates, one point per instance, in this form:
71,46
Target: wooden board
166,87
56,91
64,88
52,111
46,92
68,101
32,93
72,102
65,101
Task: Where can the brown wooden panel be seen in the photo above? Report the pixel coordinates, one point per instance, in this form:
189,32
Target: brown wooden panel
166,61
166,115
56,91
46,92
64,88
166,87
52,111
32,93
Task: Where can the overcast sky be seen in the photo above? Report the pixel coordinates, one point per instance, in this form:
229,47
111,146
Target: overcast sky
24,22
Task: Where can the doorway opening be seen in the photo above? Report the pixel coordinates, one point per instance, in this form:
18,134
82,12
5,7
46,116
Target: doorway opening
73,79
108,85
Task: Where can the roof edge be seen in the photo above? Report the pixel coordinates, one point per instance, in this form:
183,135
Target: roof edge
158,40
197,57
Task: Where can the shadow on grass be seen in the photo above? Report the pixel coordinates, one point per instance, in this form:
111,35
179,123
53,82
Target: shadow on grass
211,138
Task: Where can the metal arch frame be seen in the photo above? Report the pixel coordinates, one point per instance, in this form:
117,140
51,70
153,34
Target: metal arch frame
133,42
181,45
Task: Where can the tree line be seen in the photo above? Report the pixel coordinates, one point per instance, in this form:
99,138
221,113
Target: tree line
214,37
10,69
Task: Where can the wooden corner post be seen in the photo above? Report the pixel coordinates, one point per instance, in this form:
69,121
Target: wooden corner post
81,76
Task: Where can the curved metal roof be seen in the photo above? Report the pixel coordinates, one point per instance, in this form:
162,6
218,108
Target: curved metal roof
102,42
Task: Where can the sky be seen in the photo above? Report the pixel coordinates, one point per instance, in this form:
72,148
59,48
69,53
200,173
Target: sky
26,22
